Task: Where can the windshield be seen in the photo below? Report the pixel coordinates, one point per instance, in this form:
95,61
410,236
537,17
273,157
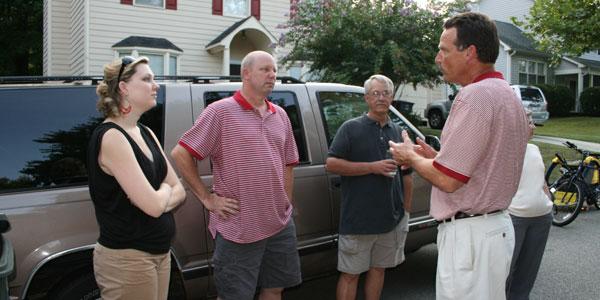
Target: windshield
533,95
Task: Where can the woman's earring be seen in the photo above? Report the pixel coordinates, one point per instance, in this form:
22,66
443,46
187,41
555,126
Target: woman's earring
125,110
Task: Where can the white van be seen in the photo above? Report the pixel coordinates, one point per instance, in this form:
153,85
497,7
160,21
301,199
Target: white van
534,100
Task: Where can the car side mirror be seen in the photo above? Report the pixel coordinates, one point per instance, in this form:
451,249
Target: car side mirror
433,141
451,97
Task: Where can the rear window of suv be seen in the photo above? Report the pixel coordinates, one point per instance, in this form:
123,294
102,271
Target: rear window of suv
529,94
44,132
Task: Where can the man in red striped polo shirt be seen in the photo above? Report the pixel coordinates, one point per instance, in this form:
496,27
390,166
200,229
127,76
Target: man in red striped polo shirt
477,171
252,149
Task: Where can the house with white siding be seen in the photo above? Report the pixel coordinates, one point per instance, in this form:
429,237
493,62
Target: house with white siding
181,37
520,62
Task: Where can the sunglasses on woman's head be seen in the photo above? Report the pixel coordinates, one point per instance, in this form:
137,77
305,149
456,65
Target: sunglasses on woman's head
124,62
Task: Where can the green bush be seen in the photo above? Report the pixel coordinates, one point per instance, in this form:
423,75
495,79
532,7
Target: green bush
590,101
560,99
414,118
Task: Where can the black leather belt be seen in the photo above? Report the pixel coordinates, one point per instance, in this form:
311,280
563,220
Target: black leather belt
461,215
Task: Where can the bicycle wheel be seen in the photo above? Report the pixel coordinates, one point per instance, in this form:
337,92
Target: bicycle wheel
552,174
567,202
596,194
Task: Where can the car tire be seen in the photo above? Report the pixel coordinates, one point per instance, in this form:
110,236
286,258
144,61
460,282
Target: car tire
80,286
436,120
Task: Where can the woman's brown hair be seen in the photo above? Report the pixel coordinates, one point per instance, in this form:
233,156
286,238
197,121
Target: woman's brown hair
109,99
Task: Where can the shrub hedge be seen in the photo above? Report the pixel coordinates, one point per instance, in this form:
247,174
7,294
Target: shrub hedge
560,99
590,101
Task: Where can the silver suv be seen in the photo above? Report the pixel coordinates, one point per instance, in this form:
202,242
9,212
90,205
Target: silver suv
45,127
532,98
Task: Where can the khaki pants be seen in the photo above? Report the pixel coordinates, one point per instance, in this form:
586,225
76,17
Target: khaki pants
131,274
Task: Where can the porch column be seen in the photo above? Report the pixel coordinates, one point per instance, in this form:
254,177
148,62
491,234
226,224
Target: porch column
226,61
579,90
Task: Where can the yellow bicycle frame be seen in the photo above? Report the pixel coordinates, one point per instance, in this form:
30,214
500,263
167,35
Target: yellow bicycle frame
595,163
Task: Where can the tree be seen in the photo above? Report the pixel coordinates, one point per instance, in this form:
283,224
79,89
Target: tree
21,34
563,27
346,41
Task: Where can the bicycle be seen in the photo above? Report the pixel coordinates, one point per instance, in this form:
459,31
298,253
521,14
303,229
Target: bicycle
573,182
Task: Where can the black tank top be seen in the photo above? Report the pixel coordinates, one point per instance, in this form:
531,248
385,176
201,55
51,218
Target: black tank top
122,224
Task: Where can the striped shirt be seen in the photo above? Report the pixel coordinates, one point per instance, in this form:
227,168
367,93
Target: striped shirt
483,144
249,153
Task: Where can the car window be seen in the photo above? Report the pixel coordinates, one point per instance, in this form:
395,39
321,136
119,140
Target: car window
396,119
285,99
337,107
529,94
45,133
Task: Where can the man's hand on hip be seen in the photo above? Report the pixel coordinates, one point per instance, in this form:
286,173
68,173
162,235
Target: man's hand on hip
223,207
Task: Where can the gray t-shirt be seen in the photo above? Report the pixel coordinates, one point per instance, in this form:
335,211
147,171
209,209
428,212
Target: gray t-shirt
371,204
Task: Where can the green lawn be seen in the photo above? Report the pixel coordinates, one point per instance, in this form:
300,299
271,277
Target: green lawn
577,128
548,151
428,131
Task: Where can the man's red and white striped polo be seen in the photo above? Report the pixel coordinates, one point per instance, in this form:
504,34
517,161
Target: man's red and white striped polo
483,145
249,153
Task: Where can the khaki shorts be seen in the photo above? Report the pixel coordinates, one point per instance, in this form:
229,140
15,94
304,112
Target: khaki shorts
131,274
357,253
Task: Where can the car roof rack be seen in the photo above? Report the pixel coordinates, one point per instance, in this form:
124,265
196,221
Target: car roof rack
96,79
44,79
208,79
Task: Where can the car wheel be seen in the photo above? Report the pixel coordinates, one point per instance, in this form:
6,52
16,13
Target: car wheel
81,286
436,121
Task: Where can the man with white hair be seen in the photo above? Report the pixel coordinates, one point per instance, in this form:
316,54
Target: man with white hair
376,194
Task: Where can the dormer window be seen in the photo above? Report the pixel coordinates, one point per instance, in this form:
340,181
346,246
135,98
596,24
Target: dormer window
163,55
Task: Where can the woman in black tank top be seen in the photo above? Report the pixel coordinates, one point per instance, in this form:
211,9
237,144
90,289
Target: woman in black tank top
133,187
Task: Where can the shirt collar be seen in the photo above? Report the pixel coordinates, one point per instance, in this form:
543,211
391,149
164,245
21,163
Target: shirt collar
371,121
492,74
246,105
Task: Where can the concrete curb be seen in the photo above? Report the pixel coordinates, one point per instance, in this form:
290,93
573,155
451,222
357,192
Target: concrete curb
594,147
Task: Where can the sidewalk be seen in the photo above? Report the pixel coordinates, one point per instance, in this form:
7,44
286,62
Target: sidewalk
559,141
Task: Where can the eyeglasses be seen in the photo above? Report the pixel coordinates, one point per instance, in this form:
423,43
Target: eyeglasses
377,94
124,62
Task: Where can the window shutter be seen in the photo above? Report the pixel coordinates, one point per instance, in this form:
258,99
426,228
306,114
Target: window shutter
127,2
171,4
217,7
293,8
255,8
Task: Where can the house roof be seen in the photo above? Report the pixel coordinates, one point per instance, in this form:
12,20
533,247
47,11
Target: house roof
250,28
147,42
514,38
227,31
588,62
